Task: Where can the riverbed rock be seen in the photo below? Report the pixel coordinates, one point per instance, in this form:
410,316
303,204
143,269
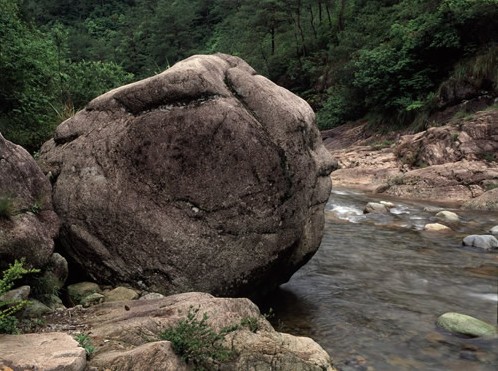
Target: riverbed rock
462,324
36,309
376,207
17,294
205,177
447,216
51,351
28,224
494,230
126,335
121,293
485,241
78,291
436,227
92,299
488,201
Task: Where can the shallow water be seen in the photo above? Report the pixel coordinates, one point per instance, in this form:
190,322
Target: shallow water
373,291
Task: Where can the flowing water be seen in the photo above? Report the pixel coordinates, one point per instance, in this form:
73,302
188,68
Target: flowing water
373,291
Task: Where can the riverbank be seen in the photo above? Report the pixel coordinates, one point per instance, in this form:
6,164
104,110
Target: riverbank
372,294
456,162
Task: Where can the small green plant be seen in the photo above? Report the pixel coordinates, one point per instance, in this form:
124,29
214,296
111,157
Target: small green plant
491,186
382,144
36,207
488,156
252,323
396,180
86,343
43,286
8,322
197,343
6,207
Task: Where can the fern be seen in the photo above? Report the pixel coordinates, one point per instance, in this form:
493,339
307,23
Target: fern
8,323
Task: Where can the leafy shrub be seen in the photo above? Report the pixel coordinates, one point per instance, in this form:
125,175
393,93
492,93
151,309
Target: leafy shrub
8,323
86,343
197,343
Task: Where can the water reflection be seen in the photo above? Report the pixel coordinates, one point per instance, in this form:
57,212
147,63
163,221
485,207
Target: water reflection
373,291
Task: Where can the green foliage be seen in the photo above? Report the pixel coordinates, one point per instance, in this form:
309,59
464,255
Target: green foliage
387,59
252,323
386,143
84,80
36,207
27,79
43,286
85,341
197,343
8,322
490,186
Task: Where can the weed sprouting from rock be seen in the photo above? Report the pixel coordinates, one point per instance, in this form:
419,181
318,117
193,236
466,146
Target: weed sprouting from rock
197,343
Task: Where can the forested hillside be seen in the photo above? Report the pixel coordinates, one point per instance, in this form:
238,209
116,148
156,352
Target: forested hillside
394,61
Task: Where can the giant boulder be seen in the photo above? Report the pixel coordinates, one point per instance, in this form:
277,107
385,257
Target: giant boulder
205,177
28,223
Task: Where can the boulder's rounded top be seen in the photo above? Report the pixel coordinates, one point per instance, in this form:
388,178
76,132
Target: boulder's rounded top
205,177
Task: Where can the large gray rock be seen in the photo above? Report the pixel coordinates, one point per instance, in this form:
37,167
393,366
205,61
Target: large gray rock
28,223
52,351
484,241
205,177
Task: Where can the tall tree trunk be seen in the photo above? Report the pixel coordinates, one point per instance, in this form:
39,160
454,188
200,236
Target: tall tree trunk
329,17
299,27
272,33
340,20
312,21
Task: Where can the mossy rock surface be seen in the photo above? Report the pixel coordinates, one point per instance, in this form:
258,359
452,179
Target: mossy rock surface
462,324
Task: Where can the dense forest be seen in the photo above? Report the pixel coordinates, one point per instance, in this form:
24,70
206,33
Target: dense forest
386,60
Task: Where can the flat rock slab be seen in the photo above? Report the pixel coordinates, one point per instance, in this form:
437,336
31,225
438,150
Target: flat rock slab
51,351
126,335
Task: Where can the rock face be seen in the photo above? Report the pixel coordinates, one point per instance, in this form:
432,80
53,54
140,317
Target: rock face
486,201
206,177
471,140
126,335
28,223
454,163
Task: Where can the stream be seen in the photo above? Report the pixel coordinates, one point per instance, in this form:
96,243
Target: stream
372,293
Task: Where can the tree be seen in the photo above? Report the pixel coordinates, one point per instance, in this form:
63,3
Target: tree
28,71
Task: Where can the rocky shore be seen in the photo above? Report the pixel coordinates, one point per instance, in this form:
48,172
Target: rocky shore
457,162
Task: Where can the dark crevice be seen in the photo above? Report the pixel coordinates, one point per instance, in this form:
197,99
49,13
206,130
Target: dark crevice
65,139
168,103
